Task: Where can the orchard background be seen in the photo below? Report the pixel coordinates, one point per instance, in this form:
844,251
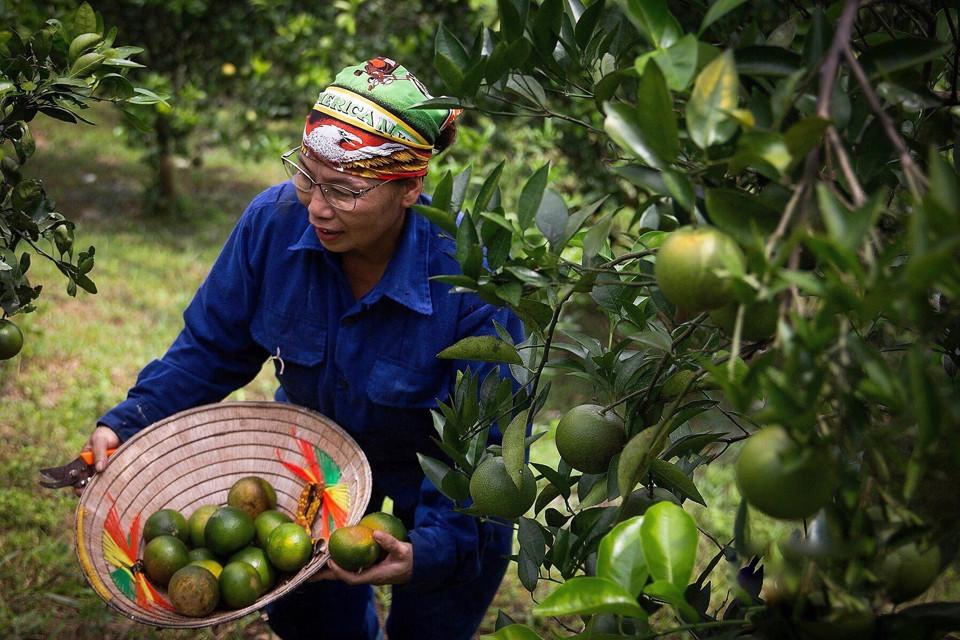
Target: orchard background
818,138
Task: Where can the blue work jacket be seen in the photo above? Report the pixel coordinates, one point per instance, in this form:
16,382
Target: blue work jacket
368,364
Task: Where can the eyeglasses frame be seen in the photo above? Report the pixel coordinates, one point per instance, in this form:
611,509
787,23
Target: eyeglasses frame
326,186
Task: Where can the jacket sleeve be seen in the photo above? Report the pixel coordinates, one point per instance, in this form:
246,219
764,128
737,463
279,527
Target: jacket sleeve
214,353
447,545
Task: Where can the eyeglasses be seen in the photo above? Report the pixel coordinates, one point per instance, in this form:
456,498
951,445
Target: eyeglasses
337,196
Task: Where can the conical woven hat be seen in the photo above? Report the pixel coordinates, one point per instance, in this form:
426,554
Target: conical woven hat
192,459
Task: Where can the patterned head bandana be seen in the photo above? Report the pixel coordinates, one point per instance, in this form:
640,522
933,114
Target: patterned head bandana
362,124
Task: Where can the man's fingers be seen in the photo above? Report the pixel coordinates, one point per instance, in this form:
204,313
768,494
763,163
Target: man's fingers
386,541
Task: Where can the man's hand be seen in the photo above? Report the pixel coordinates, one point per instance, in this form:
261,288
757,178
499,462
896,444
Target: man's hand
396,568
100,440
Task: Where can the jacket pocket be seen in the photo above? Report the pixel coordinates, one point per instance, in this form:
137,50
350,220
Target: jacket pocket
298,347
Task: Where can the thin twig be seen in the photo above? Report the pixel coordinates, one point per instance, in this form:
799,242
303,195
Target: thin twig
853,183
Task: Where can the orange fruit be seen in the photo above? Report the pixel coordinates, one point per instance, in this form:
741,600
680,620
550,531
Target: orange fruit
11,339
353,548
289,547
240,585
194,591
386,522
168,522
266,522
229,529
164,556
257,558
686,267
197,522
588,439
252,494
494,493
782,479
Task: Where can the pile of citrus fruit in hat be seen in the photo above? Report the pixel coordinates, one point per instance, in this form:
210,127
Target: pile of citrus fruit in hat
229,556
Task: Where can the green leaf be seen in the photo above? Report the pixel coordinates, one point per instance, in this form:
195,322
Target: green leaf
714,97
655,22
596,236
587,23
767,152
818,38
621,559
443,192
514,453
669,538
635,460
678,62
717,10
655,116
482,349
849,228
551,219
672,595
440,217
145,96
693,443
588,595
512,631
774,62
545,29
741,214
434,469
576,220
449,46
531,196
900,54
944,188
511,22
469,253
671,477
681,188
804,135
488,188
84,19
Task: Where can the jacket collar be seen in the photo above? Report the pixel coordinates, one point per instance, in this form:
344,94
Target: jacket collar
407,278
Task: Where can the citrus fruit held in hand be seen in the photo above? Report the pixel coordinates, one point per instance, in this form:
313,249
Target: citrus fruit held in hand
353,548
164,556
229,529
686,267
11,339
587,438
201,553
197,523
193,591
759,320
240,585
289,547
494,493
266,522
252,494
386,522
257,558
166,522
782,479
212,566
909,570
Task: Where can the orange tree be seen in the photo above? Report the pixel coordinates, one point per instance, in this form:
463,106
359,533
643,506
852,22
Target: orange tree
55,71
805,312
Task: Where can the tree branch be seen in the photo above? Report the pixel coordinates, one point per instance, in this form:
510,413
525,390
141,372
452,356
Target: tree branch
915,177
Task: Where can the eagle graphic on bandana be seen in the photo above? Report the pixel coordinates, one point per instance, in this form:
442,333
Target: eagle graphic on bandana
368,122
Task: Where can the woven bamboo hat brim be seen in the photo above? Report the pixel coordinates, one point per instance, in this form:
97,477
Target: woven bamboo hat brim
192,459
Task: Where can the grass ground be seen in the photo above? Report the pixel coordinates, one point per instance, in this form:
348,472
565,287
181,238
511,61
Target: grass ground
82,354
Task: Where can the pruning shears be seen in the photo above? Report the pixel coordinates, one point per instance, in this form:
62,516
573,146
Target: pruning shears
73,474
